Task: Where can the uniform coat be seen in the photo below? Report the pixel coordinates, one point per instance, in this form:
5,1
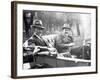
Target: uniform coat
60,43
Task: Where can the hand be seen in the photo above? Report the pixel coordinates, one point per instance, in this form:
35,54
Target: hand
67,54
53,52
36,49
52,49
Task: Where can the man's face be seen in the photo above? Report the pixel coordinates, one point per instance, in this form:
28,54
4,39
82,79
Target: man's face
66,31
38,31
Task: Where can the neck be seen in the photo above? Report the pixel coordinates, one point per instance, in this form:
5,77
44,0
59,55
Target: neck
38,35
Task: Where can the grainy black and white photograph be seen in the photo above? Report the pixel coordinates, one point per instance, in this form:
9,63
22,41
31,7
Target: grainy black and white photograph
54,39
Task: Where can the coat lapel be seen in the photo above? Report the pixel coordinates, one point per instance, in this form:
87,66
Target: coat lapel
40,40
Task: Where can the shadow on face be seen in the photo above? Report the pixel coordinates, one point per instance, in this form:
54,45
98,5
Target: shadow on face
38,31
66,31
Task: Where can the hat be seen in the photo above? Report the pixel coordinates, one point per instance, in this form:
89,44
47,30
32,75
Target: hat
37,24
66,26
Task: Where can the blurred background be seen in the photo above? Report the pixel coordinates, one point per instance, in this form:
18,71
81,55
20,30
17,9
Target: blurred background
53,22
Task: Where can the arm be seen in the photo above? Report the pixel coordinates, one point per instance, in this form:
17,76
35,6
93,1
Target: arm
34,49
65,45
59,41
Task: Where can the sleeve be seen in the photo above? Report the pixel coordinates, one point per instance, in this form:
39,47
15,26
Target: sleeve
28,42
59,42
31,41
25,44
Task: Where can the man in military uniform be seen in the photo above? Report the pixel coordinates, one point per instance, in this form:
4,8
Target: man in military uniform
64,41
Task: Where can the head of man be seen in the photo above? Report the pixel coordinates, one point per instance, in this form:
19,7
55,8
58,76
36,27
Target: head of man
66,29
38,27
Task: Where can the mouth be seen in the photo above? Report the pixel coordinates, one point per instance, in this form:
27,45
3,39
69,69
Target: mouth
66,32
